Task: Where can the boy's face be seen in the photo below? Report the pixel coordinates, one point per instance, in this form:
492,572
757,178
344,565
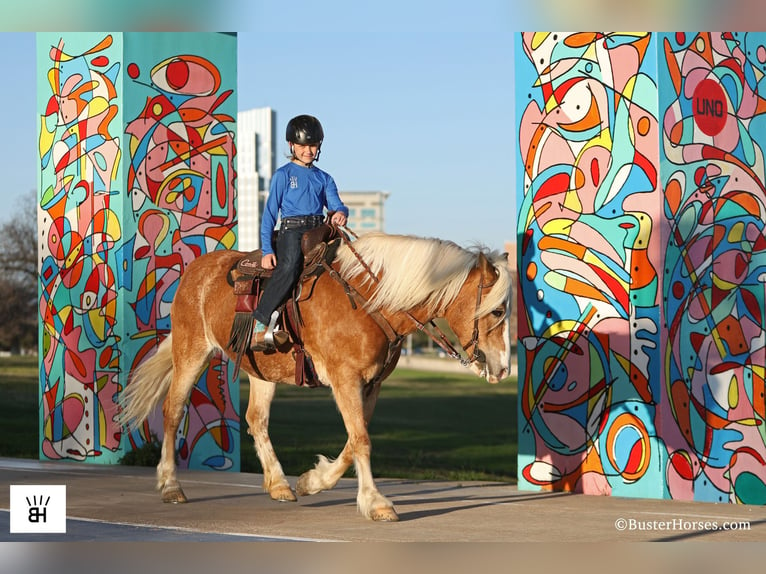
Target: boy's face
305,153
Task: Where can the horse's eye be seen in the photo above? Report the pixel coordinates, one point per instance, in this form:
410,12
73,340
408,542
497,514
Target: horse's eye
499,312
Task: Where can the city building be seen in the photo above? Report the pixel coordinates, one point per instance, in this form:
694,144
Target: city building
256,162
510,249
365,210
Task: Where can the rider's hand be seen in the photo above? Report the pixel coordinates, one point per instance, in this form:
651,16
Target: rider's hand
269,261
338,219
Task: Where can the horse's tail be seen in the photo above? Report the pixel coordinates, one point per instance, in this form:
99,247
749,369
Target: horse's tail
148,385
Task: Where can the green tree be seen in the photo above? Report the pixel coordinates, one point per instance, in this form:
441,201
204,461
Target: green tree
18,277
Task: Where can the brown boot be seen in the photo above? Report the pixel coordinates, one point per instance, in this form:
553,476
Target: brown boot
267,338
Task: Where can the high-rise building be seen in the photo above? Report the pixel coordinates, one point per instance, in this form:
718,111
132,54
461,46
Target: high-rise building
256,162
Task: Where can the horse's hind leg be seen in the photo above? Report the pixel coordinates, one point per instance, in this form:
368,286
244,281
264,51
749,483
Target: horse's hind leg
258,409
188,362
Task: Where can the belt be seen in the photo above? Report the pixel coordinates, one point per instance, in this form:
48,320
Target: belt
301,221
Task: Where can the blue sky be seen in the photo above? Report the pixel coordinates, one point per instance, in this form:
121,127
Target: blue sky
17,100
423,110
416,97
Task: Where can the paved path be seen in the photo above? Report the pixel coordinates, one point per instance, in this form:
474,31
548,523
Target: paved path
118,503
441,365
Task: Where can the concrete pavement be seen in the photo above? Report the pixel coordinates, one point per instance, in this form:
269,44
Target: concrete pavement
119,503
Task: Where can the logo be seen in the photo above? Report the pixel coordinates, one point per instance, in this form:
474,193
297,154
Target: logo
293,182
38,508
709,107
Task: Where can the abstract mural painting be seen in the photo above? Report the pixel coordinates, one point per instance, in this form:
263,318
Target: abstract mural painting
588,241
79,225
137,151
180,141
643,264
713,134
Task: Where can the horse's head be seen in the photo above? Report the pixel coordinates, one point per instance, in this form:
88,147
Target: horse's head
436,278
480,317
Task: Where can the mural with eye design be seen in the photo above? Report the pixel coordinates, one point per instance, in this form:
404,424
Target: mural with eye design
122,212
181,181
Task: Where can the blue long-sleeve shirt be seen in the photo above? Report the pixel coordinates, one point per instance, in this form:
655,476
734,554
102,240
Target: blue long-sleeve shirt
297,190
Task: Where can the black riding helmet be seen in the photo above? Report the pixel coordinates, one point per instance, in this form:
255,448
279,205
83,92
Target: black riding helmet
305,130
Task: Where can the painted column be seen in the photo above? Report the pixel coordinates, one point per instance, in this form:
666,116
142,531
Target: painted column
137,178
713,135
588,237
642,251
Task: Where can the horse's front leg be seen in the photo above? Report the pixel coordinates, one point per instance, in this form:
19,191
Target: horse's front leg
258,409
327,472
350,402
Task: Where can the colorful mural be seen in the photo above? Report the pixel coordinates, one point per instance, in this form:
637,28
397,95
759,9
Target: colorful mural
180,137
79,228
588,250
713,133
122,212
636,381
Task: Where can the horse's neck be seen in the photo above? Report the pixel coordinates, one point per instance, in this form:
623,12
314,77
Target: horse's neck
407,322
403,322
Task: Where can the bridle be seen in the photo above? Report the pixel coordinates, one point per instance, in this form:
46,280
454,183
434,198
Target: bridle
430,328
437,335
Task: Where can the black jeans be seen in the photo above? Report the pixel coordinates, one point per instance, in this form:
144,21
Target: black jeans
278,288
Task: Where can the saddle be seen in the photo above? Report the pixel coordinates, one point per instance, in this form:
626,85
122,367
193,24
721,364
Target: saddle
248,279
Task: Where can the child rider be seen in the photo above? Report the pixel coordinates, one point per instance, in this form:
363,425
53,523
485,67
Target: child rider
299,192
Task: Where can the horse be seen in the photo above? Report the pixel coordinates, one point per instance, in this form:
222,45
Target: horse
379,289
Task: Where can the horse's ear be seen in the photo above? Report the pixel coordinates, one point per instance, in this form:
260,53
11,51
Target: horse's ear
483,263
486,268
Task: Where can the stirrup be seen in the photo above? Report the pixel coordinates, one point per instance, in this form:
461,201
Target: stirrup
272,338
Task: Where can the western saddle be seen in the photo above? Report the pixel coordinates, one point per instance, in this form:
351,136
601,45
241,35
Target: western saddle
248,279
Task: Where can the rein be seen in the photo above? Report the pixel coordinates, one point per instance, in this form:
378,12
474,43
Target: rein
431,328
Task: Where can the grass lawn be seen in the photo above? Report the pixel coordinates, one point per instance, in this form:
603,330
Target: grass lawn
18,407
427,425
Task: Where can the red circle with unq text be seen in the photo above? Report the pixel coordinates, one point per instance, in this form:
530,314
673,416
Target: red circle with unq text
709,107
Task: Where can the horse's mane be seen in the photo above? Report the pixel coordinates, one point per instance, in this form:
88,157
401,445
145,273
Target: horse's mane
416,271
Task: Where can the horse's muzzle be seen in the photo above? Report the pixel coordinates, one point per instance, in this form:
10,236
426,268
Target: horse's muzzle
481,367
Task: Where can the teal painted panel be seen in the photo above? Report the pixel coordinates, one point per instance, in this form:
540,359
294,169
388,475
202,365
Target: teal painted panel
180,109
588,254
80,225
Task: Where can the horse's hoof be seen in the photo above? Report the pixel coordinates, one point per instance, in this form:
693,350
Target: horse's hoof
302,487
384,515
282,494
174,495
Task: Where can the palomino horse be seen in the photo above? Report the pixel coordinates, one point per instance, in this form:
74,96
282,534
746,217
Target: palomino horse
406,281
